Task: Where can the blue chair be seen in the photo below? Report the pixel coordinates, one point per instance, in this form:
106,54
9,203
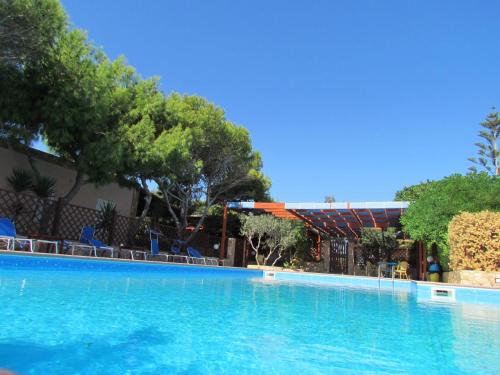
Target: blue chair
8,236
87,238
154,245
175,252
197,258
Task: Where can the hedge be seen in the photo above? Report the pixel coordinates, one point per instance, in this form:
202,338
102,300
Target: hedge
474,240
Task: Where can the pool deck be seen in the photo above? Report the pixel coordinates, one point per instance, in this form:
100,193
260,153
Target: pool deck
424,290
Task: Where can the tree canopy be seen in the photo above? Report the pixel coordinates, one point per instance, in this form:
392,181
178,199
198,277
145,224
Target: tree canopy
428,217
413,192
81,110
271,233
28,29
378,245
199,155
101,116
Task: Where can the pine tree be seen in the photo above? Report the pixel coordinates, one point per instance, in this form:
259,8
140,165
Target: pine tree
488,151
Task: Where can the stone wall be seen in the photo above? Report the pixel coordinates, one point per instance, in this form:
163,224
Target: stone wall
318,267
473,278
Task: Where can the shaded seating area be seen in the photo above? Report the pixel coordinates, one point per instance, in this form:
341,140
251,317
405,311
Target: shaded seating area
52,225
8,237
91,246
173,255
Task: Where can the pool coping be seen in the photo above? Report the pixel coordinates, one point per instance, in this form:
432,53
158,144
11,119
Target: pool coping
264,271
121,260
422,290
423,282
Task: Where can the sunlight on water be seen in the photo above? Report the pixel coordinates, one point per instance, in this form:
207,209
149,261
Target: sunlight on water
95,322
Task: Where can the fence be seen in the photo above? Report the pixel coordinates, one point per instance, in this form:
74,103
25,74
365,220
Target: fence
37,216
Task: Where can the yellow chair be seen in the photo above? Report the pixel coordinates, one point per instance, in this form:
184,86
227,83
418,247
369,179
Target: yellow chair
401,270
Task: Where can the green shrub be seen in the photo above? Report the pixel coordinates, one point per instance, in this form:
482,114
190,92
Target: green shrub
428,217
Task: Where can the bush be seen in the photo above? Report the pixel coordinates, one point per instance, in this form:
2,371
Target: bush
378,245
427,218
474,240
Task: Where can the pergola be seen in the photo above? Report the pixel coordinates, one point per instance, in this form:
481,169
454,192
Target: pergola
340,219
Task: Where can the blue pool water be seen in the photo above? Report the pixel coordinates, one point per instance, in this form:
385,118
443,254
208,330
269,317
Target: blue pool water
81,318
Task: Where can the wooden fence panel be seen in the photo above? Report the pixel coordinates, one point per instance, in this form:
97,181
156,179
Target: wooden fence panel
33,215
29,213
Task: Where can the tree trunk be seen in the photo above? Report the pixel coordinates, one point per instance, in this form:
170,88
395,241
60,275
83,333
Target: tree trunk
166,198
276,260
255,248
271,252
196,229
31,161
75,188
147,203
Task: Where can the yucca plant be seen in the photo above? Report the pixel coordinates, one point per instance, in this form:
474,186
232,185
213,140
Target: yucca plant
20,180
105,217
44,187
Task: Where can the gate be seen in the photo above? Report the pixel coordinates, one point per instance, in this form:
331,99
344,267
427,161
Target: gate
338,255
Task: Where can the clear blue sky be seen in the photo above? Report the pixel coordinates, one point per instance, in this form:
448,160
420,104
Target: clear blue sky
350,98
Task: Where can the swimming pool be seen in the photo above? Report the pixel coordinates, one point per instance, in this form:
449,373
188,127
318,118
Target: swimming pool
67,316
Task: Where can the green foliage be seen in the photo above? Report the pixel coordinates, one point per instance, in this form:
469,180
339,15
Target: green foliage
271,233
255,187
488,151
44,186
378,245
198,156
71,94
99,115
29,32
280,237
303,245
105,216
329,199
427,218
144,118
414,192
20,180
213,222
81,110
28,28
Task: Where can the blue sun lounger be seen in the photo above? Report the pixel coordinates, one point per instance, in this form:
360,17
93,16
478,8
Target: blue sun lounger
175,252
8,235
196,258
87,241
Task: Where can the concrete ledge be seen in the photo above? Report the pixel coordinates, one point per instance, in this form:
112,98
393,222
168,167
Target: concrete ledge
473,278
264,268
113,262
422,290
